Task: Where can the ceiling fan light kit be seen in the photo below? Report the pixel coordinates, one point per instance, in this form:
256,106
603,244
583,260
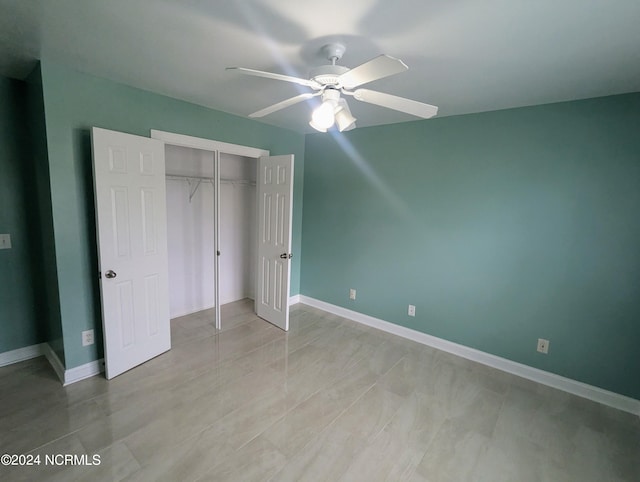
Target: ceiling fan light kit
330,81
333,110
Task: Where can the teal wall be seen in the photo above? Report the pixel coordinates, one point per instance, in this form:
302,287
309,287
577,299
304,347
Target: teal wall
75,102
19,324
502,228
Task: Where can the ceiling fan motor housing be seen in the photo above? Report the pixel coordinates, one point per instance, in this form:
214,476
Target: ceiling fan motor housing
328,74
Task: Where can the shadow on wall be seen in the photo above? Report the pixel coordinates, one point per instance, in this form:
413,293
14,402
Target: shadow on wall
82,150
25,154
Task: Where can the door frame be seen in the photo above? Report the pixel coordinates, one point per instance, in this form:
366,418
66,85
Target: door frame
217,147
207,144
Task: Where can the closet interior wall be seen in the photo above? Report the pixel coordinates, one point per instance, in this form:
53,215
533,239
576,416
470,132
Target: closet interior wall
238,231
191,227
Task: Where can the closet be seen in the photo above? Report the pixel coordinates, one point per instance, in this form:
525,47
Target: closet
201,211
178,232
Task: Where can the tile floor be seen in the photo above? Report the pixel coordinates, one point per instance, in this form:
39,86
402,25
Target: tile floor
330,400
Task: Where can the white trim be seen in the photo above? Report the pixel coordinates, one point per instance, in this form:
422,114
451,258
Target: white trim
580,389
294,300
21,354
87,370
67,377
217,147
207,144
191,312
54,361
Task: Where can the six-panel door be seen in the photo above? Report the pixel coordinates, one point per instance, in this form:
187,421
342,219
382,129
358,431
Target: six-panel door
275,201
129,177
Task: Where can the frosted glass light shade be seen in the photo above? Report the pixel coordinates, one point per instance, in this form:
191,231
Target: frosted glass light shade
323,117
317,127
343,117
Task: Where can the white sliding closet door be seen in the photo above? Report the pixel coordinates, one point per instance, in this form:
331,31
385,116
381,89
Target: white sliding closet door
275,202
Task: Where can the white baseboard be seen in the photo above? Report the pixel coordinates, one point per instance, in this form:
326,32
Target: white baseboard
580,389
87,370
21,354
189,312
294,300
208,307
72,375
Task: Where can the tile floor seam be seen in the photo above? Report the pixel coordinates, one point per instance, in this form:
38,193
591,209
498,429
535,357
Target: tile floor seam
289,410
339,415
377,434
52,441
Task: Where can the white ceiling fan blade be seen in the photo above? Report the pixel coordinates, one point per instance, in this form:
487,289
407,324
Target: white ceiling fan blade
270,75
396,103
283,104
378,68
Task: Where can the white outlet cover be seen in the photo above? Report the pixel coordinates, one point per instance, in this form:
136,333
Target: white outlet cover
543,345
88,338
352,294
5,241
412,310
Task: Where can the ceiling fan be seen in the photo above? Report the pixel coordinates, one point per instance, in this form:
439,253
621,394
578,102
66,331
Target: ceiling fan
329,81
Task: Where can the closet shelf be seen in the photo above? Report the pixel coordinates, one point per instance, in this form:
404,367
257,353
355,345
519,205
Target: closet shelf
209,180
178,177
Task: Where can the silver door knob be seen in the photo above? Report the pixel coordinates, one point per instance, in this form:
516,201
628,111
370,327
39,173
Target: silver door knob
110,274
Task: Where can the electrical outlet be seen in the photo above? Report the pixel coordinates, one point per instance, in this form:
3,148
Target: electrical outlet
5,241
352,294
543,346
87,338
412,310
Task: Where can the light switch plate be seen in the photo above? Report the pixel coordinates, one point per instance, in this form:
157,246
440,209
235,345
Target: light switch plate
5,241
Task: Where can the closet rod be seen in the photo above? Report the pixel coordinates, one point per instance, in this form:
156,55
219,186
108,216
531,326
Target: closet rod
200,179
177,177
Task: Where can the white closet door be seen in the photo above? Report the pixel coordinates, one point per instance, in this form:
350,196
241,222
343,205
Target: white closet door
129,177
275,202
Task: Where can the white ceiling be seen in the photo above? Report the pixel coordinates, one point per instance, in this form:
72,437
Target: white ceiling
463,55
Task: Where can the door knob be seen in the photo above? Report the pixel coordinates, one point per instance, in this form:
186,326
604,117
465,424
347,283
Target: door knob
283,256
110,274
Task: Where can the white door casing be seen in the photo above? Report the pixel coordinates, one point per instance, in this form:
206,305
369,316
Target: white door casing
216,147
131,223
275,203
216,239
